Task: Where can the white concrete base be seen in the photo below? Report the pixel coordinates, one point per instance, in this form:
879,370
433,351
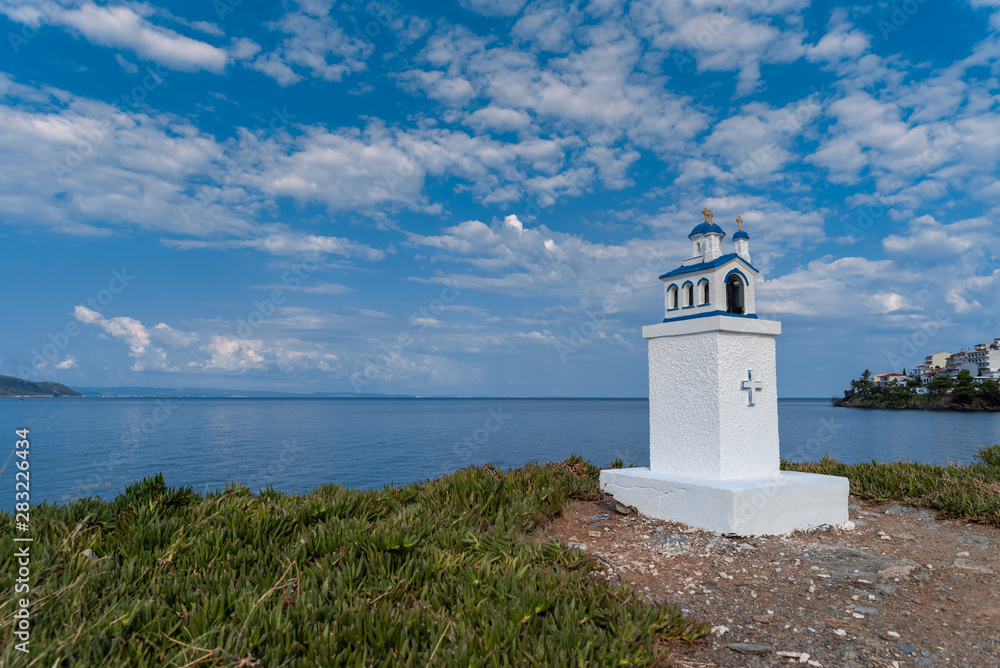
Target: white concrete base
790,501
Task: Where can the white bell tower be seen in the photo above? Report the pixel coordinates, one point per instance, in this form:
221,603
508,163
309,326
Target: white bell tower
713,408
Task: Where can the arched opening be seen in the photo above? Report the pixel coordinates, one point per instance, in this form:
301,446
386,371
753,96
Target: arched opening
689,294
704,292
735,302
672,298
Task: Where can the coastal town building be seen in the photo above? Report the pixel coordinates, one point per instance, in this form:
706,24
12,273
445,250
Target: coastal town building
982,361
886,378
714,459
936,360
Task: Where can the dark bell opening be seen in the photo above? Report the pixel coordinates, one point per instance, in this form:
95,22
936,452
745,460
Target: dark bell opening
734,295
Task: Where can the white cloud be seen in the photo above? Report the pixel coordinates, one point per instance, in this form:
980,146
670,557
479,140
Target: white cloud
498,118
839,44
68,363
494,7
315,43
723,36
548,25
288,243
122,27
309,288
144,354
207,352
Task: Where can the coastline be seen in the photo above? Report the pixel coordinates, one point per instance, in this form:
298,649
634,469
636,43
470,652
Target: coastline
949,406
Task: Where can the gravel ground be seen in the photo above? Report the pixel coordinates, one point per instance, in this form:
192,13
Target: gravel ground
899,589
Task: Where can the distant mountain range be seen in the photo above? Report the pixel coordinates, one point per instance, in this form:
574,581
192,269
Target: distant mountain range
16,387
210,392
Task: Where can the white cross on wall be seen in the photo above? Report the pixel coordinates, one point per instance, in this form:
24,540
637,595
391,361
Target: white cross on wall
750,384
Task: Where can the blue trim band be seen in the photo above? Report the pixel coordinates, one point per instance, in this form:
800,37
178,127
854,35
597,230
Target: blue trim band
703,280
704,266
741,275
705,315
684,307
705,304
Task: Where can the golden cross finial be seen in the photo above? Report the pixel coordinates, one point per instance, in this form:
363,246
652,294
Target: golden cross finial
708,214
739,222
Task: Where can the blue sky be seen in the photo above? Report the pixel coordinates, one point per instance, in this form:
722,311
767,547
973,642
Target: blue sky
477,197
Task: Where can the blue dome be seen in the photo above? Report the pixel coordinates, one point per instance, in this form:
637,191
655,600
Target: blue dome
741,235
707,228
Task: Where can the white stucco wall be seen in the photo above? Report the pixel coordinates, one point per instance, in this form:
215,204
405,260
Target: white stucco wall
699,422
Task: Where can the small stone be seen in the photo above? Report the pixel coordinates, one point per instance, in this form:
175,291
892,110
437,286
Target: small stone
886,537
719,630
967,565
857,615
764,619
89,554
595,534
848,526
865,611
579,546
892,634
907,649
744,648
839,632
962,554
599,518
623,510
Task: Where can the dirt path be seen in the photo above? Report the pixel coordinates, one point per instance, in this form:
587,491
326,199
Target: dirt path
900,589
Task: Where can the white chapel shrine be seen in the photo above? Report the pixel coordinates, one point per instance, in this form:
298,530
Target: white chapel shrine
713,407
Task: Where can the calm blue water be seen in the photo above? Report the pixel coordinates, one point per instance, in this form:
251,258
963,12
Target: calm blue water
84,446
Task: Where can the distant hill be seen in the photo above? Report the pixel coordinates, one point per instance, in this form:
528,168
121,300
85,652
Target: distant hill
211,392
17,387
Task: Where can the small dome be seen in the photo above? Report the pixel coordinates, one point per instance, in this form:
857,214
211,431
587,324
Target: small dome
741,235
707,228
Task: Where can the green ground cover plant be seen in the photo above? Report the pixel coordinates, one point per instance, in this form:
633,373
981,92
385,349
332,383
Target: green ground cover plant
444,572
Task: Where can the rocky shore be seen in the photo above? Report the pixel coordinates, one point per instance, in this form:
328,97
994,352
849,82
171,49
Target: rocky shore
946,404
897,587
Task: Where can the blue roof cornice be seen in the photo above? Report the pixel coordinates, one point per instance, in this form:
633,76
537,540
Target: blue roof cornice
704,266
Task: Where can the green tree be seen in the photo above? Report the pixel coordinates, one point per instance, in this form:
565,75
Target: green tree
965,389
989,391
940,383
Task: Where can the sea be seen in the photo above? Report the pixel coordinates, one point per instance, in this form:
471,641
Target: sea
97,446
